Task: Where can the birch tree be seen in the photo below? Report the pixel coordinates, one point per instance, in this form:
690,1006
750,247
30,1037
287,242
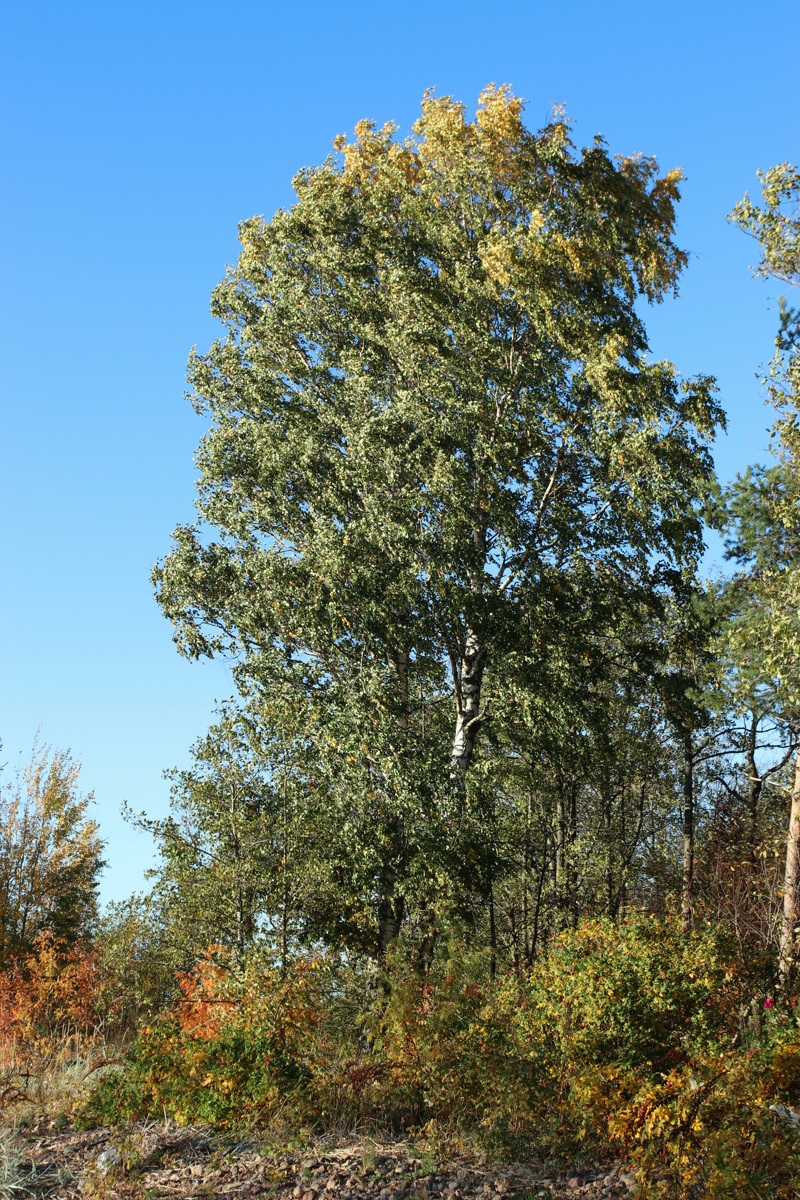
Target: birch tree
432,415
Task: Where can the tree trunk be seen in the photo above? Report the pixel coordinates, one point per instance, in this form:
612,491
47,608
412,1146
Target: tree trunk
754,791
492,934
469,676
791,890
391,905
391,910
687,895
608,839
572,907
285,880
538,909
562,898
527,944
468,708
561,837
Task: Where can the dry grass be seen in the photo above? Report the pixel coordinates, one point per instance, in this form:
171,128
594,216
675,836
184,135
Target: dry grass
50,1078
15,1175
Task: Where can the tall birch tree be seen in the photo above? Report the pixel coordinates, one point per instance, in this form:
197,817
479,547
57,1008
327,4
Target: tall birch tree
432,415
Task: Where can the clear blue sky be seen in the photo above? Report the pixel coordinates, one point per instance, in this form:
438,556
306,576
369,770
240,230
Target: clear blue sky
135,138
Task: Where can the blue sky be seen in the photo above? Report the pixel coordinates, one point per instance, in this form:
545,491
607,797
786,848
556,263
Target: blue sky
135,137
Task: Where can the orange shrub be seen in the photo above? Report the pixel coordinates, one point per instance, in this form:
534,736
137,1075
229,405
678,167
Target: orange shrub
239,1043
49,995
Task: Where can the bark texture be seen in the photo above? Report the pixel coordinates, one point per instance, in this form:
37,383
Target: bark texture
787,958
687,896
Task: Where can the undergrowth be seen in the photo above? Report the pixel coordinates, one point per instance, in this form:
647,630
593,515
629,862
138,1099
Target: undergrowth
629,1040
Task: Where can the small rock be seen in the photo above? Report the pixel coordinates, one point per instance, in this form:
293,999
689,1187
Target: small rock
109,1159
196,1171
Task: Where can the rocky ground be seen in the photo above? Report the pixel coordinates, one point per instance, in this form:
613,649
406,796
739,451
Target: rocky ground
150,1161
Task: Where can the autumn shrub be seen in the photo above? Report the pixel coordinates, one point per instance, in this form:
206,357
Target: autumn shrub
639,992
238,1045
541,1060
717,1126
628,1038
52,1023
646,1047
318,1047
445,1052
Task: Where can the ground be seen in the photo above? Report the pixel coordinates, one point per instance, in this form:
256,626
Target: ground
150,1160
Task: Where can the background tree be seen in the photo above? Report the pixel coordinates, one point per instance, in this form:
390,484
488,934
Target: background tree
696,707
137,961
50,855
234,847
764,510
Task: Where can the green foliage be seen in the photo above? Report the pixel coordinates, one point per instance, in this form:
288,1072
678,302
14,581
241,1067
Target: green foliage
440,474
764,508
449,521
763,504
775,224
236,1046
232,847
136,962
639,993
447,1054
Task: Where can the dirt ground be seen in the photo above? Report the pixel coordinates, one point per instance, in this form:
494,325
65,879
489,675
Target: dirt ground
152,1160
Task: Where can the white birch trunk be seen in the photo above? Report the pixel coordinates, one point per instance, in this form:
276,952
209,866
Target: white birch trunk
469,683
469,716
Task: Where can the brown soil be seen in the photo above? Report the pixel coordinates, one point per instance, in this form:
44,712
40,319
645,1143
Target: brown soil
150,1161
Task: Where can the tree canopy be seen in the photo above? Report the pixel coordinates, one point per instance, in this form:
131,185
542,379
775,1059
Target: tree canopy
439,458
495,828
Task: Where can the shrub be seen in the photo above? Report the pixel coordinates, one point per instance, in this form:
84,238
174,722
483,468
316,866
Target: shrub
446,1051
628,1038
715,1127
637,993
237,1045
643,1035
51,1023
